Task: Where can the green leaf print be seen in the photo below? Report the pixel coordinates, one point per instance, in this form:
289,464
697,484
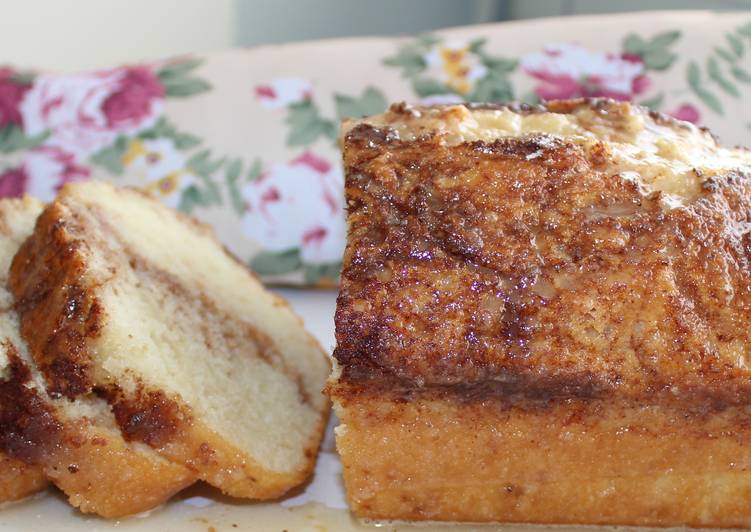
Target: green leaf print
659,59
232,179
185,87
202,165
255,171
163,129
655,53
428,40
716,75
741,74
111,157
178,69
177,81
492,88
307,125
371,102
409,61
664,39
693,76
745,30
724,54
530,98
735,44
476,45
316,274
190,198
410,57
23,78
634,44
499,65
12,138
277,262
655,102
425,87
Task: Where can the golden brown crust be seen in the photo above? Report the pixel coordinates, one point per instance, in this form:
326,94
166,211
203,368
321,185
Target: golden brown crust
19,480
156,420
50,297
581,462
463,259
223,465
85,466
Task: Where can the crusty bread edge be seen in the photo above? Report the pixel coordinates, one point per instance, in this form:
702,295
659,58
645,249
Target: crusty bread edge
19,480
582,462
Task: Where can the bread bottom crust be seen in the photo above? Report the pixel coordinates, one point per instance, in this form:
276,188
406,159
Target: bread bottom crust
100,473
575,462
19,480
226,467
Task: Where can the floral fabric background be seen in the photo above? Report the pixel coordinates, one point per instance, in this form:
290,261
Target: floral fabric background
246,139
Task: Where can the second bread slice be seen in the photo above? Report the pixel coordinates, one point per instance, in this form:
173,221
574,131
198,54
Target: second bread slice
122,297
75,443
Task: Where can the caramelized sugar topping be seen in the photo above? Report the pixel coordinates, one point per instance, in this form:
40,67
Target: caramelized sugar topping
588,242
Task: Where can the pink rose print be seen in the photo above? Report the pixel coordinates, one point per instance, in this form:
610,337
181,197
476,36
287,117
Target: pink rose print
298,205
11,94
132,102
571,71
686,112
13,182
43,172
282,92
86,112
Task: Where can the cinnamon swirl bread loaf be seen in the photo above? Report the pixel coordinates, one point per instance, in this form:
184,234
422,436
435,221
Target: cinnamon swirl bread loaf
544,317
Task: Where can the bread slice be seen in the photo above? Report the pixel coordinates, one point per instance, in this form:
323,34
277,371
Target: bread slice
76,443
543,317
120,296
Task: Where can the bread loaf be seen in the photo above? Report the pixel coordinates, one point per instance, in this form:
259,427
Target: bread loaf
543,317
